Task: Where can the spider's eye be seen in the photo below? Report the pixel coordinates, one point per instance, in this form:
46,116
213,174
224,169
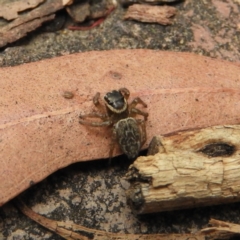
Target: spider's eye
115,99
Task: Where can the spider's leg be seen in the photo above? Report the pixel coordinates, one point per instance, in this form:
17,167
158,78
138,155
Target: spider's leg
136,101
97,102
103,117
95,124
134,111
96,99
112,145
142,123
94,115
125,92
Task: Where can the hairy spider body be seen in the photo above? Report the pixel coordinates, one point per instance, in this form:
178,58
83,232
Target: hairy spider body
128,135
128,132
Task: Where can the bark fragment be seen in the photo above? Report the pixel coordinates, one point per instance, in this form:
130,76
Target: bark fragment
29,21
10,11
151,14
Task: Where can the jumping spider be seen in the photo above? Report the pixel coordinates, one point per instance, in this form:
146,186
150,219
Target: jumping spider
129,132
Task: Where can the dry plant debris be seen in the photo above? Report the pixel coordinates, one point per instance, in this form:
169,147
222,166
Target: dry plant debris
221,230
79,11
86,12
151,14
71,231
23,17
28,21
10,11
192,168
152,2
39,128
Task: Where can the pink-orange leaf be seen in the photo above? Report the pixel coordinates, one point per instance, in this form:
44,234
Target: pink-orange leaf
39,127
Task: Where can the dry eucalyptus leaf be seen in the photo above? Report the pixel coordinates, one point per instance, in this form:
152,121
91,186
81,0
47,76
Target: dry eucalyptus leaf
151,14
29,21
10,10
40,132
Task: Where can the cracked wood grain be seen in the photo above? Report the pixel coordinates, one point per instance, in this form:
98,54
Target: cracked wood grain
39,127
191,169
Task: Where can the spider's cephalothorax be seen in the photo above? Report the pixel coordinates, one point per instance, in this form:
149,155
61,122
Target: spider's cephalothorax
115,101
129,132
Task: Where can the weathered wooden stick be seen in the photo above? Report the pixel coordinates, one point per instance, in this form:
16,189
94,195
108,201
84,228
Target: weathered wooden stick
188,169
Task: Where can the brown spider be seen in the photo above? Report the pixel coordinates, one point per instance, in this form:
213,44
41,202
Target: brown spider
130,133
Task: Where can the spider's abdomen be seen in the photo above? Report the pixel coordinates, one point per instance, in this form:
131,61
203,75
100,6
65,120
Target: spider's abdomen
128,135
